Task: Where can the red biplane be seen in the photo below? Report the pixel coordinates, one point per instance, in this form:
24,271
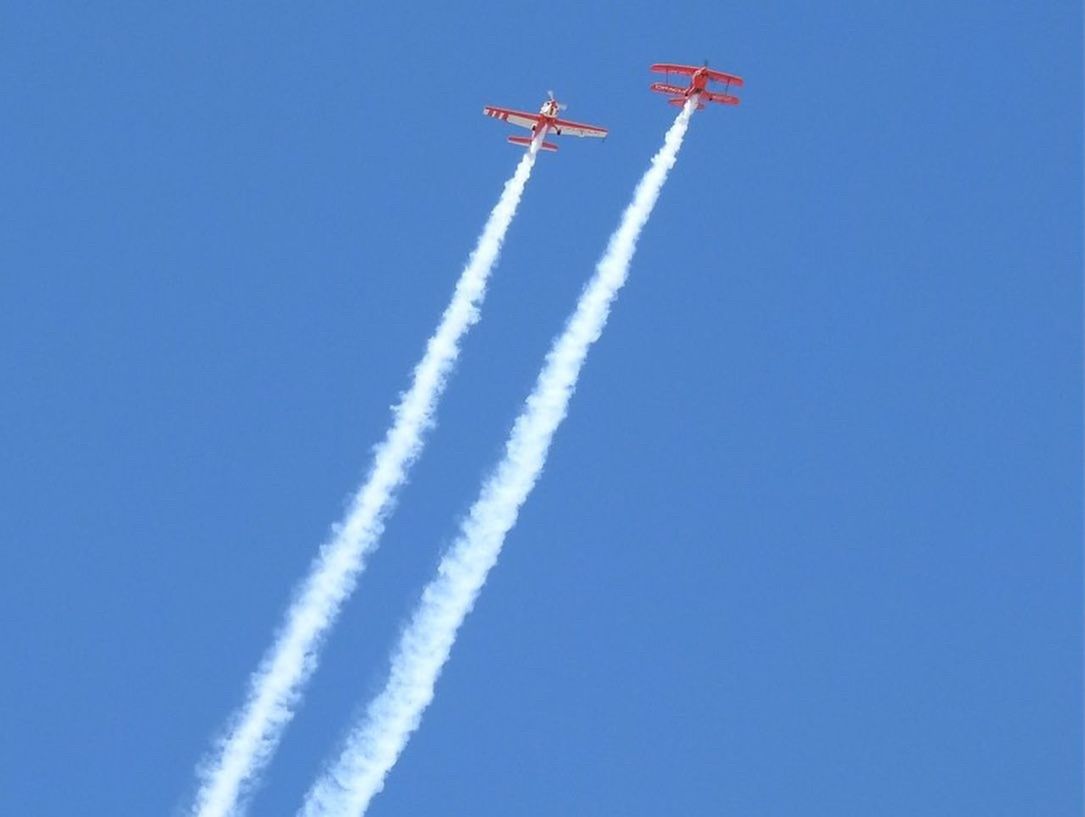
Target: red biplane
698,84
544,122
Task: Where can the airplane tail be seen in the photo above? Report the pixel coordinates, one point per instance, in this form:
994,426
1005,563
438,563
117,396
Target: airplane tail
679,102
524,141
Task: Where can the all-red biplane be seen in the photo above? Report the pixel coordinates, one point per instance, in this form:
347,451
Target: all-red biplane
698,84
544,122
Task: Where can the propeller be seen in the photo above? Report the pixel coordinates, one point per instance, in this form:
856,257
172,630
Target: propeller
561,105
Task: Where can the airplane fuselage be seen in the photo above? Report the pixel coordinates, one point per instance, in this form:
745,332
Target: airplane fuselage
698,84
548,114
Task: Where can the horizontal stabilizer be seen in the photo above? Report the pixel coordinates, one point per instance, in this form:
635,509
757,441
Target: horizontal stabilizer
525,141
678,103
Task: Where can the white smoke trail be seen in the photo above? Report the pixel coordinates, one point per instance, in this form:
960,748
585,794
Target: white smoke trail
275,688
377,740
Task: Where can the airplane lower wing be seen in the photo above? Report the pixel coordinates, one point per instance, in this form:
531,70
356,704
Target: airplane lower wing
563,127
671,68
664,88
723,99
523,120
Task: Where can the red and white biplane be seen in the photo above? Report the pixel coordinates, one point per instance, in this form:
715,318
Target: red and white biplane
698,84
543,123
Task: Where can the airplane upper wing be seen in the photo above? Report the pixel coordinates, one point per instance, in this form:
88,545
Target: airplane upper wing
563,127
524,120
719,76
671,68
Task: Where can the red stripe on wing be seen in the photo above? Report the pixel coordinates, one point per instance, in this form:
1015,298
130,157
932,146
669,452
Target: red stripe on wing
505,113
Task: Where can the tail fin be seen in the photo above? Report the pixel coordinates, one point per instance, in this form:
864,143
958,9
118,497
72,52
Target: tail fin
524,141
680,101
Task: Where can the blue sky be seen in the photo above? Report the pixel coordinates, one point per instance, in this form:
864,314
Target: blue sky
810,539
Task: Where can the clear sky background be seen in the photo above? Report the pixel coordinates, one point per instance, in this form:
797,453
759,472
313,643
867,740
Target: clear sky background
810,539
